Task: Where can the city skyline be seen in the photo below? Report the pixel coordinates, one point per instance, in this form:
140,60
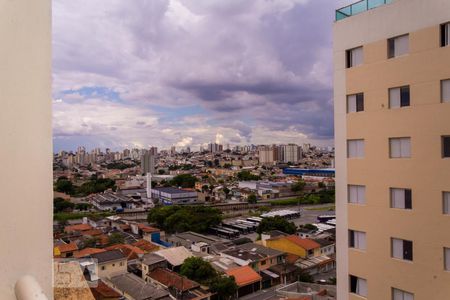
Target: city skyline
130,84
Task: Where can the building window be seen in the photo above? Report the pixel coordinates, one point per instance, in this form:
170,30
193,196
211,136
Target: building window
399,97
358,286
121,263
447,259
357,194
445,90
263,262
355,148
103,267
446,203
398,46
400,147
446,146
357,239
355,103
445,34
354,57
402,249
401,198
401,295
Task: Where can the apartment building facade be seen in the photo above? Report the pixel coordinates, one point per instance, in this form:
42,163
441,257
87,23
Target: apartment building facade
392,128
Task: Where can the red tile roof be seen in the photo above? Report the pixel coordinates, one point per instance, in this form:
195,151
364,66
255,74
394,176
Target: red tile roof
146,246
172,279
78,227
306,244
63,248
147,229
92,232
103,291
87,251
244,275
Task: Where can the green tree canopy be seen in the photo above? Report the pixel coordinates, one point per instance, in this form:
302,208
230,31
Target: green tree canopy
225,287
116,238
299,186
245,175
184,180
251,198
183,218
59,205
64,185
276,223
195,268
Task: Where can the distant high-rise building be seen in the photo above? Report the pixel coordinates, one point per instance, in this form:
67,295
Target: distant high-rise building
154,151
290,153
214,147
392,138
267,155
147,163
173,151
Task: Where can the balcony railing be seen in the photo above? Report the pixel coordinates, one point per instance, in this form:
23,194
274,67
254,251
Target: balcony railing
359,7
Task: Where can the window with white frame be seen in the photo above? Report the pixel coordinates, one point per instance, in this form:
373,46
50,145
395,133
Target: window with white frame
400,147
402,249
357,194
446,203
445,34
445,90
355,148
447,259
357,239
401,198
358,285
399,97
398,46
398,294
355,103
354,57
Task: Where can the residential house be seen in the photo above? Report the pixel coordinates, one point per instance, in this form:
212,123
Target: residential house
110,263
134,288
150,262
247,280
293,244
174,256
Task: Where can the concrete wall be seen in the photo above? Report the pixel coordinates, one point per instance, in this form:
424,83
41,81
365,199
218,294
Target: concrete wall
26,143
426,173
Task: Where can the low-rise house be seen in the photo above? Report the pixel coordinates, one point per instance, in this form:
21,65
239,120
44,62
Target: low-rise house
77,228
317,265
131,252
174,256
110,263
64,250
150,262
179,286
102,291
87,252
247,280
191,240
174,196
327,247
254,255
146,246
134,288
293,244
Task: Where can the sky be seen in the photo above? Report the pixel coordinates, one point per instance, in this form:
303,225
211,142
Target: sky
159,73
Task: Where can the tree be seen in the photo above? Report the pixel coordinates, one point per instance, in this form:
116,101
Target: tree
83,206
251,198
63,185
309,226
59,205
116,238
195,268
182,218
161,171
184,180
321,185
245,175
90,242
226,191
225,287
304,276
276,223
299,186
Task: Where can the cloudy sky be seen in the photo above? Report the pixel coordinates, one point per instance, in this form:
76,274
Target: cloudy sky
139,73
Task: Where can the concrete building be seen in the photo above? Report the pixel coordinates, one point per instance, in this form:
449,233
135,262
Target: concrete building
147,163
174,196
391,96
26,136
267,155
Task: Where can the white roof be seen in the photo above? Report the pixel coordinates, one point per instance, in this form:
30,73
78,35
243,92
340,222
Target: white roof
175,256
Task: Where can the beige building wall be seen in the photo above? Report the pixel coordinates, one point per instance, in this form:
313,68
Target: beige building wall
26,144
426,172
113,268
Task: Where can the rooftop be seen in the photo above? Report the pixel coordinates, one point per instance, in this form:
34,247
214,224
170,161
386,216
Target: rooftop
172,280
108,256
138,288
359,7
244,275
